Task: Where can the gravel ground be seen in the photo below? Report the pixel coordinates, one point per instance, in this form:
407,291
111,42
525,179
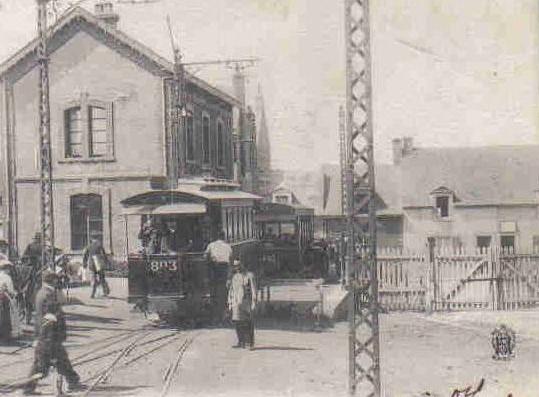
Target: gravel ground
419,353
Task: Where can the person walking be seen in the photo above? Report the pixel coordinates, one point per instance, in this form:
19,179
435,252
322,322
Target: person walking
242,304
95,259
50,331
219,254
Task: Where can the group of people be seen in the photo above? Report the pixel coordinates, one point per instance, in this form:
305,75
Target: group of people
49,318
234,289
49,327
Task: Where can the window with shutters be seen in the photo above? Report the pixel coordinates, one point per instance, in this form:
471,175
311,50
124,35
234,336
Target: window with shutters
88,131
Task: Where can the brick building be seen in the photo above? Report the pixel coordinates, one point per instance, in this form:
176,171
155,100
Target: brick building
110,126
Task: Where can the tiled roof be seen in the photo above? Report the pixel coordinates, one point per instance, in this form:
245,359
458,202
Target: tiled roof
488,175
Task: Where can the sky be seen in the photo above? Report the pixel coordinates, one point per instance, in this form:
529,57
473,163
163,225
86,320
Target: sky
445,72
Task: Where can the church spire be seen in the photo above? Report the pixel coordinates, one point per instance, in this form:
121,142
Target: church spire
262,141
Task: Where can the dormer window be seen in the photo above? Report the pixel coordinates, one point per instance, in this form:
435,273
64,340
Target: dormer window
442,200
442,205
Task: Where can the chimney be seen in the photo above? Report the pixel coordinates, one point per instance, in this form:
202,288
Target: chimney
397,145
238,83
104,11
407,145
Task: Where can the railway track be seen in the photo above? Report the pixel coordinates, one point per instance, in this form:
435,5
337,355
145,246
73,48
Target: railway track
95,345
172,370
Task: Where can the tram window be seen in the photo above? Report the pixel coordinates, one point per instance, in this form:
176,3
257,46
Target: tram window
238,236
288,229
243,224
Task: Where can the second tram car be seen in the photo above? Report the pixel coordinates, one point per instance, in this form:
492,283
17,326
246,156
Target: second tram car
168,270
286,232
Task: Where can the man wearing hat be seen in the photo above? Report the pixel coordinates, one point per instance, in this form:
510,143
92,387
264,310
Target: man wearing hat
242,303
50,331
95,258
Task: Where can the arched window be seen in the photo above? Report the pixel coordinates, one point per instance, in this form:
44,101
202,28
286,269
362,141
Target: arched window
86,219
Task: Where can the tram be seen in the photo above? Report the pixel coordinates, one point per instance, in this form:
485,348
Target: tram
286,232
167,270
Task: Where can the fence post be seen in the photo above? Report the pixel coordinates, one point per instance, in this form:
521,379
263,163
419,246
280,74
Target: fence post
432,290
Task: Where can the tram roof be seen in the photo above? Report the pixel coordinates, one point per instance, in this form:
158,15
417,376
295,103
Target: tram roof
167,209
187,195
273,209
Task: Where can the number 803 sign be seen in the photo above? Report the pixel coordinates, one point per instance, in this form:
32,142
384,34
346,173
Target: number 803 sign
159,266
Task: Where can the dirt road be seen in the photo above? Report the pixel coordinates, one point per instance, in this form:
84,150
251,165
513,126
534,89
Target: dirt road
419,353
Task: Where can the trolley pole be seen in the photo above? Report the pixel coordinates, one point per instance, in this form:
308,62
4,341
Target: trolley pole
364,343
46,197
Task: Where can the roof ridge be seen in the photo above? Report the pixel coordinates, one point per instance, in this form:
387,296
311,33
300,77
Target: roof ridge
534,145
136,45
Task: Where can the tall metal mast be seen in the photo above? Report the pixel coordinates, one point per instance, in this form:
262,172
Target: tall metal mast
46,198
364,343
176,112
342,158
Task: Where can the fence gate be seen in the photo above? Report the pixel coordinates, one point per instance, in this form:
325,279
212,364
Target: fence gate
494,279
464,282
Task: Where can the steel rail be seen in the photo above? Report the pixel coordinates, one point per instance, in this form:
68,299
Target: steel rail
172,369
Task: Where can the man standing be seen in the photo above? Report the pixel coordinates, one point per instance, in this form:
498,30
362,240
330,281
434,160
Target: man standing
242,303
219,253
96,259
32,253
9,311
50,331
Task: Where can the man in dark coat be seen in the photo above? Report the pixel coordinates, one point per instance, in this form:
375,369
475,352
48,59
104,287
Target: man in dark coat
50,330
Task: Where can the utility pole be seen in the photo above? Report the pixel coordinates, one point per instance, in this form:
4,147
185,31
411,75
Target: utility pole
364,342
177,113
343,166
178,105
46,196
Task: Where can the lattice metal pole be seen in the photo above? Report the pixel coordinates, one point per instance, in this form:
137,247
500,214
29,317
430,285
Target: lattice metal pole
46,197
343,165
364,344
342,147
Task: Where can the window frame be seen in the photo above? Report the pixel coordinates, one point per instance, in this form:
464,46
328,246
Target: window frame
206,140
483,236
68,132
190,136
85,223
220,143
439,209
85,105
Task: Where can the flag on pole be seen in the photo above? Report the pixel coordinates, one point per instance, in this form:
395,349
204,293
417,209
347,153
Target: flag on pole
327,185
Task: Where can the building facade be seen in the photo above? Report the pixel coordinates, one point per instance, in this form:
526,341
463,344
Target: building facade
467,197
111,127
